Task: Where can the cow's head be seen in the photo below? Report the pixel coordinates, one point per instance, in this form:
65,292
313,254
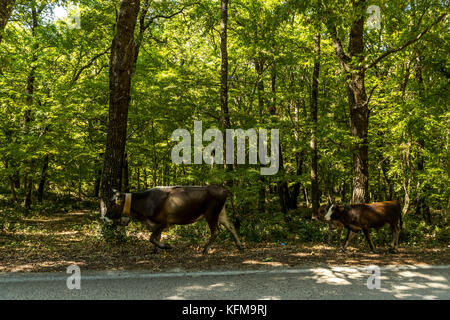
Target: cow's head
115,207
321,212
335,212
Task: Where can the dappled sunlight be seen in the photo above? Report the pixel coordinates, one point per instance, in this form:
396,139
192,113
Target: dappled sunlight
263,263
191,291
44,220
270,298
413,283
60,264
322,275
77,213
410,274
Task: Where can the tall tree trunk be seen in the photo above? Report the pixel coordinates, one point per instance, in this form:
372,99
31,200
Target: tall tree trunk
43,179
98,174
224,111
120,72
145,179
27,118
138,178
359,111
97,183
259,65
315,195
421,205
357,99
6,8
126,174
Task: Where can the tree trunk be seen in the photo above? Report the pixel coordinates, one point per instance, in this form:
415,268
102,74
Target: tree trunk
98,180
315,196
359,112
224,111
421,205
145,179
260,88
6,8
138,178
120,72
28,184
43,179
126,174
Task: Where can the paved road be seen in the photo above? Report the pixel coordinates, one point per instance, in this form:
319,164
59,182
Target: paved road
406,282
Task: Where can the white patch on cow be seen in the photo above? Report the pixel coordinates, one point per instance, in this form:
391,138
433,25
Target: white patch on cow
328,215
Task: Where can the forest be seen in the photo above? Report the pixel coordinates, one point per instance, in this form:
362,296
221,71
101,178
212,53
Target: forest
91,92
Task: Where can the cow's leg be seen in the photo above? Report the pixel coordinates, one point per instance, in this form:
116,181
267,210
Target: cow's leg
367,234
213,224
398,236
339,232
223,219
349,238
329,234
156,237
156,230
395,236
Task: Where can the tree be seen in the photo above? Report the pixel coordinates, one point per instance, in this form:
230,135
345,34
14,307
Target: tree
354,63
315,192
120,71
6,8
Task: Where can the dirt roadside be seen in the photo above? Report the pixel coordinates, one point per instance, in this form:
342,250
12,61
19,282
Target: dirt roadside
44,244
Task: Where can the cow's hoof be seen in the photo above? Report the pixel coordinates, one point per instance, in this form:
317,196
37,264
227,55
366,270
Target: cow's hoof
392,250
240,248
342,250
155,250
205,251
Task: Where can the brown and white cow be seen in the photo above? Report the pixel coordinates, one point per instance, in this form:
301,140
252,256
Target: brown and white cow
332,224
160,207
364,217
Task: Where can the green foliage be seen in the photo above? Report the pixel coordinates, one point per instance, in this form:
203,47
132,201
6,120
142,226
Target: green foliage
176,81
113,234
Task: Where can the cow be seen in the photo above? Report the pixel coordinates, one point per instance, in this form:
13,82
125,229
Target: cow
160,207
364,216
332,224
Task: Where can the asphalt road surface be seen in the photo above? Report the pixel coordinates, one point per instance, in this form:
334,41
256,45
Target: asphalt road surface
404,282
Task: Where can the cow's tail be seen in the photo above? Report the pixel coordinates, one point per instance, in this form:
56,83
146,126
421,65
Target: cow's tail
232,203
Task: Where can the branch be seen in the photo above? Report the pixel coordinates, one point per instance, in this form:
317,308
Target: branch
343,58
370,96
406,44
77,74
165,16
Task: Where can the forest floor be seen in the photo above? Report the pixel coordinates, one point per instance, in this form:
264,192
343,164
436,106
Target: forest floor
53,242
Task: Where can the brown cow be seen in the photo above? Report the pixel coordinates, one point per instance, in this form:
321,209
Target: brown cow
332,224
160,207
363,217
